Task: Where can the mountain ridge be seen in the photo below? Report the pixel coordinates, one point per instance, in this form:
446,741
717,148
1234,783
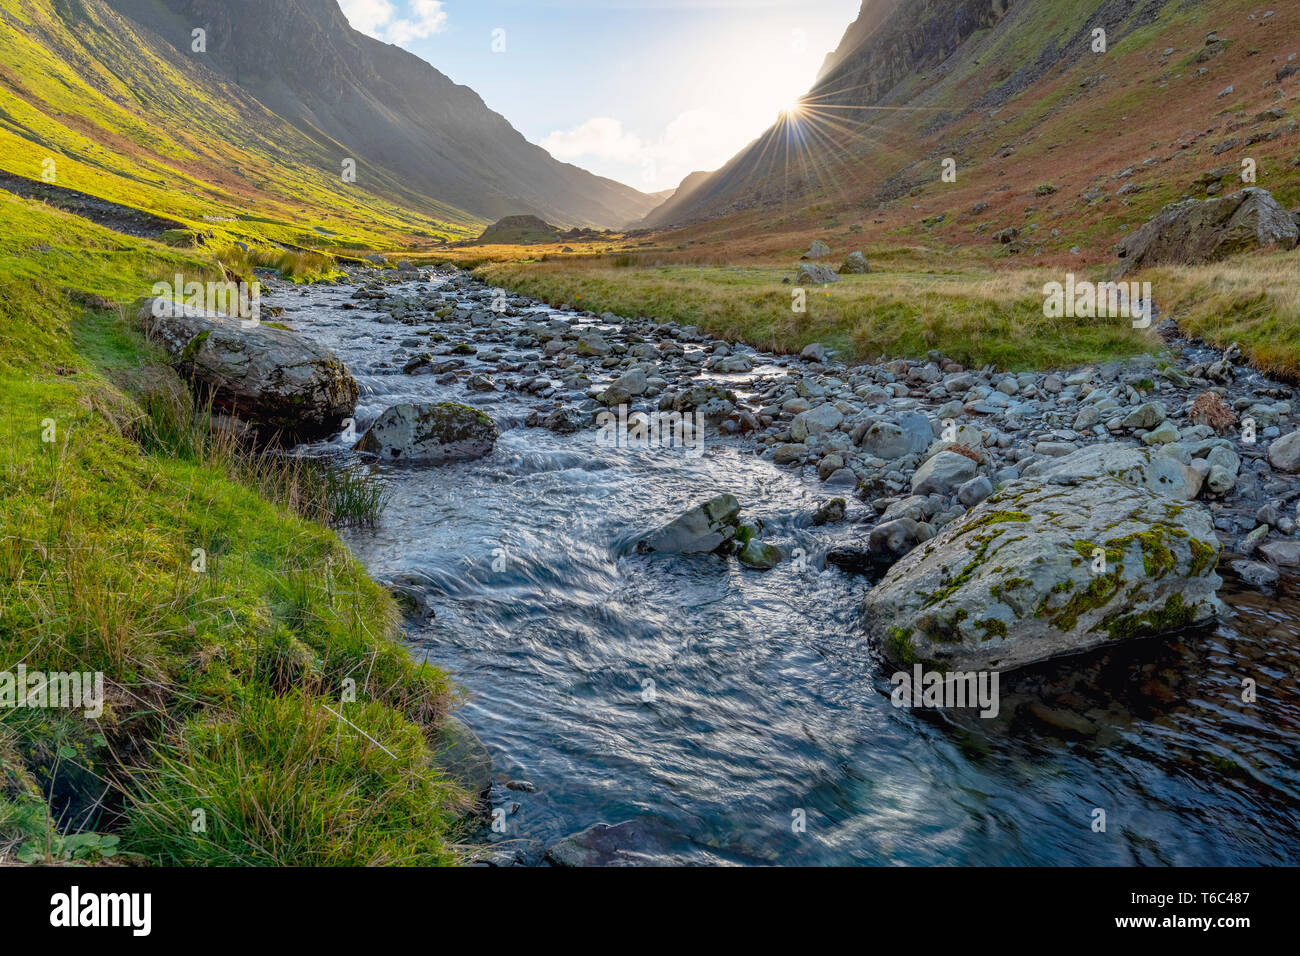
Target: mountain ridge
983,81
304,61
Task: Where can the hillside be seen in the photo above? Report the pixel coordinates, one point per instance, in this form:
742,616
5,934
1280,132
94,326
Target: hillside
388,108
675,201
92,102
1067,145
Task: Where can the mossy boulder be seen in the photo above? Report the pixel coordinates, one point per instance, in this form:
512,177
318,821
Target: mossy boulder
463,757
855,264
759,554
1142,467
283,386
1041,570
430,433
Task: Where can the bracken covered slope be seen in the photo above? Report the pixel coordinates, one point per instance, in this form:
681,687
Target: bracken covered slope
1014,92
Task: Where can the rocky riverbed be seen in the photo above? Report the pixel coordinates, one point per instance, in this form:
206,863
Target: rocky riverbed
552,595
868,430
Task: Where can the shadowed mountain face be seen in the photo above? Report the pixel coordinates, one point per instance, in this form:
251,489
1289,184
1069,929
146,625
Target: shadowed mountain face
908,77
387,108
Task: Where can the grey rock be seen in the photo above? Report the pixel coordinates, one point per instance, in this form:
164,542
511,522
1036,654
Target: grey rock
1220,480
1007,585
430,433
855,264
886,441
942,474
1283,553
1284,454
1250,544
816,421
789,453
1148,415
891,540
564,420
1196,231
974,491
640,842
1255,573
1134,465
593,343
702,529
814,352
812,274
734,364
280,384
633,381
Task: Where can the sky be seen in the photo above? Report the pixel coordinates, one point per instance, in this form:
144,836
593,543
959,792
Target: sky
641,91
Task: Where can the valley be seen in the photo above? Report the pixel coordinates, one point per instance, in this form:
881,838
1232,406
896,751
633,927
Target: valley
477,509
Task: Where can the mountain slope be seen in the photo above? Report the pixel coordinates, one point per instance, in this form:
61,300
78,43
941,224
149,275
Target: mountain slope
1014,92
675,200
91,101
387,107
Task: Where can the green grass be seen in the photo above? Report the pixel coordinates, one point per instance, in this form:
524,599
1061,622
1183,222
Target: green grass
975,316
229,690
1251,300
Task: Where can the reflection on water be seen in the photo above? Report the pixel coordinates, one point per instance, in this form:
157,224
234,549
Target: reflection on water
717,702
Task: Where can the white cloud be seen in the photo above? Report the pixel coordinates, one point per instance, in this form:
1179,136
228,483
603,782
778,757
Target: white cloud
600,138
693,140
379,19
427,18
368,16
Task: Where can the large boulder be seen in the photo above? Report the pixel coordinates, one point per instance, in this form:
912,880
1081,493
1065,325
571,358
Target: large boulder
1284,453
1042,569
284,386
855,264
704,528
1196,231
816,421
813,274
430,433
1136,466
909,434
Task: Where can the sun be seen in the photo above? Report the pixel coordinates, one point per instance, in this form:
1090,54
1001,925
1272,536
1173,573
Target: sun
792,110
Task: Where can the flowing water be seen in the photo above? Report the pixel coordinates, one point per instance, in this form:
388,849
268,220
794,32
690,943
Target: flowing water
723,704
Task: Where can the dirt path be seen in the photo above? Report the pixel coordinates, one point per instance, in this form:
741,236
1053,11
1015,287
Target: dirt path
123,219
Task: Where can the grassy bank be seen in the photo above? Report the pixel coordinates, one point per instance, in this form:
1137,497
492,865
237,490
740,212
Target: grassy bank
259,709
976,316
1251,300
974,313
